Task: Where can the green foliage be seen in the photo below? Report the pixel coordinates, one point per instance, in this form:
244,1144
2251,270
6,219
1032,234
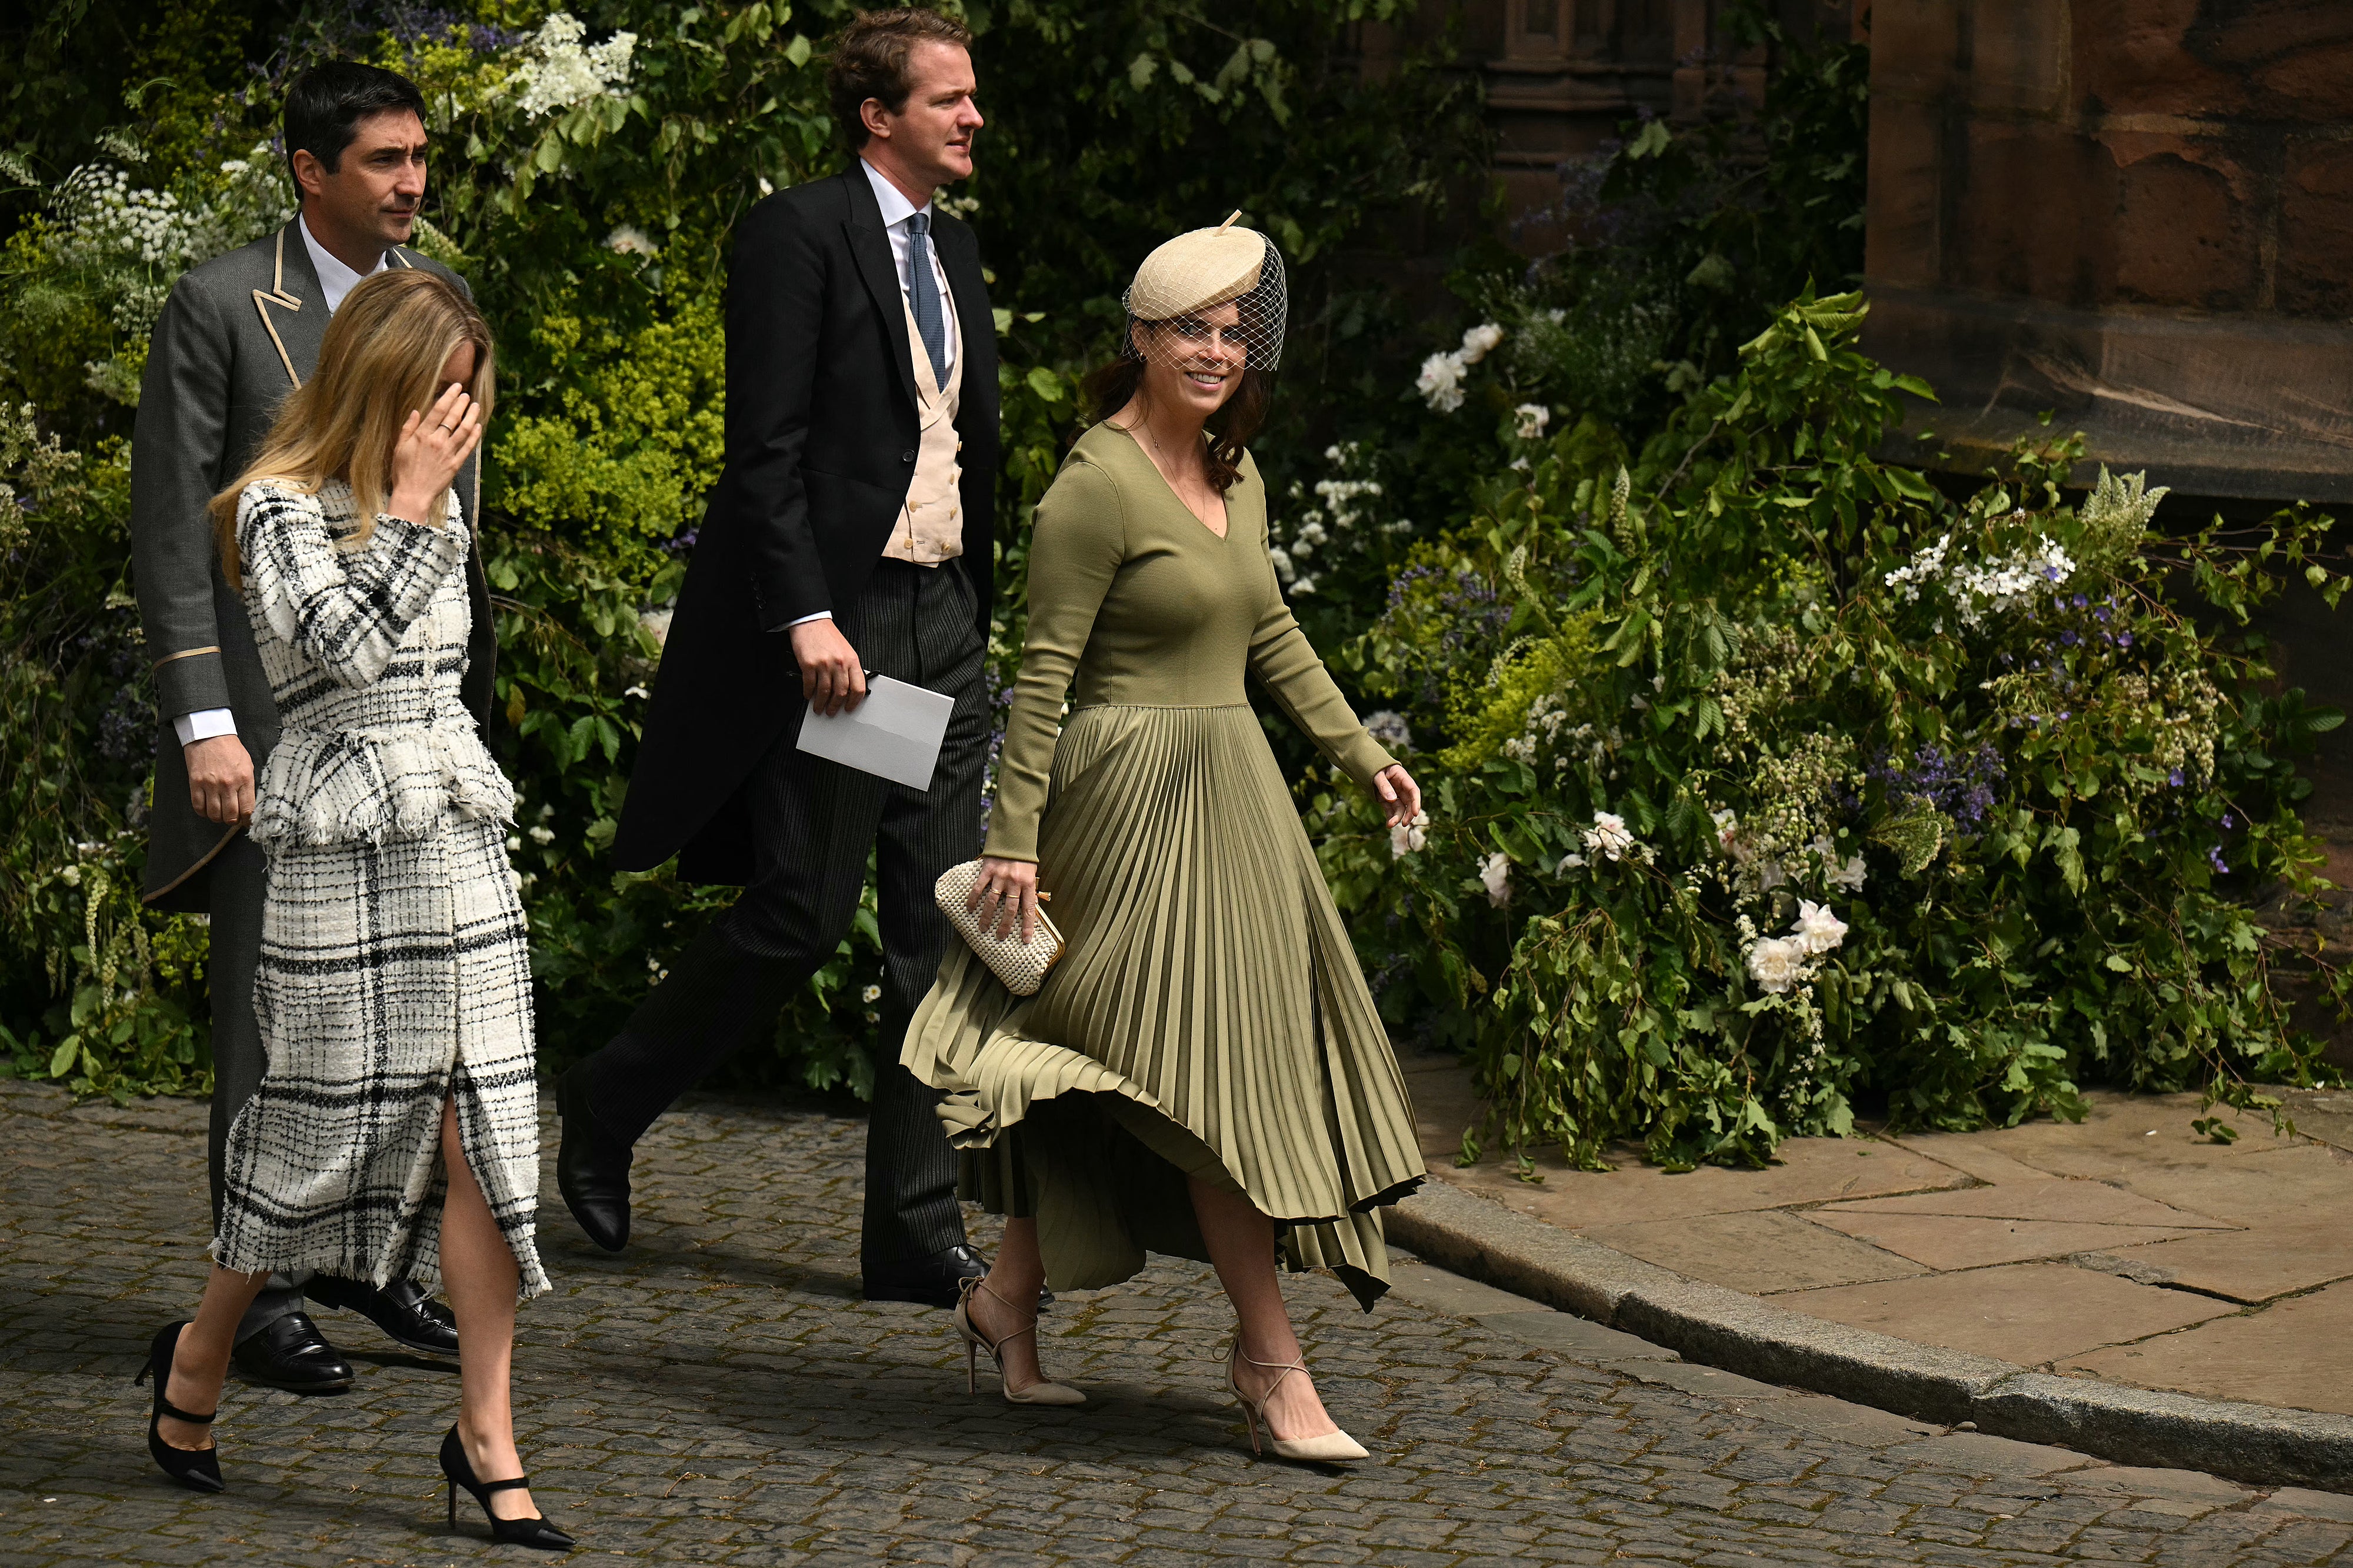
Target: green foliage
2022,749
98,993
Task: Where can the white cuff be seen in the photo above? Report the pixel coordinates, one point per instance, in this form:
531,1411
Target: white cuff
203,724
820,616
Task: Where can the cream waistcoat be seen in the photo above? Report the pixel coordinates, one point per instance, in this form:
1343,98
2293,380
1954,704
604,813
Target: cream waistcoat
929,529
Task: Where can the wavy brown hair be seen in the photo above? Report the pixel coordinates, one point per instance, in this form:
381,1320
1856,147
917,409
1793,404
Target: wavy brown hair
380,362
1112,388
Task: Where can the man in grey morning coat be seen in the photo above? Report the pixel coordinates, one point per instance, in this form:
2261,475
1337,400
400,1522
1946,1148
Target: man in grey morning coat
236,335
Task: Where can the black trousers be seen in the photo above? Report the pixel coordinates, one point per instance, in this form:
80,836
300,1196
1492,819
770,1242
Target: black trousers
813,824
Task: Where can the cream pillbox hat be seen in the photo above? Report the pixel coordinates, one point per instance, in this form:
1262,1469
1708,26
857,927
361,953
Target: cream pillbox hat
1194,271
1208,267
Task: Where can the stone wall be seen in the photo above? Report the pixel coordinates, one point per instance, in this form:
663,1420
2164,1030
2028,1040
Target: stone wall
2136,213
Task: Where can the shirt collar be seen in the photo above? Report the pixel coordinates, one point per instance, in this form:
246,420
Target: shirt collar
335,279
896,209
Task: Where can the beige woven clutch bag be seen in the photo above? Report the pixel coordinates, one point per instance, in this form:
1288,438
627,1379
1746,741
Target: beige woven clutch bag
1022,966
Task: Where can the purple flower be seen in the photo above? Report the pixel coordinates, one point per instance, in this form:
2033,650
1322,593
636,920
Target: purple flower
2174,778
2124,639
2214,858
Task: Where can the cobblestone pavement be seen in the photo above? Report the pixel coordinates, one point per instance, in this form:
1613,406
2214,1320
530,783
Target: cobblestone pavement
718,1395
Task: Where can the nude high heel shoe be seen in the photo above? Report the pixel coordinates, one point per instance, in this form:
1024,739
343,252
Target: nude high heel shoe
974,1342
1332,1448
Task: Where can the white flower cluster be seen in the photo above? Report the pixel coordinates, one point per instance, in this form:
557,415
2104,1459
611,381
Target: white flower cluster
1440,382
1768,872
628,239
1545,716
559,74
1388,726
1781,964
1408,838
1334,522
1989,587
132,242
1610,839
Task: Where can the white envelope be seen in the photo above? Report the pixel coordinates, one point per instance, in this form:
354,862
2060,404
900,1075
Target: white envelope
894,734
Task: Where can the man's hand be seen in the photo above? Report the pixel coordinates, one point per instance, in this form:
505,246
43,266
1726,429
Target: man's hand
220,780
831,676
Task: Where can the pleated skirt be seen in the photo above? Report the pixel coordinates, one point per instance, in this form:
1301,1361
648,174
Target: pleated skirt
393,977
1208,1019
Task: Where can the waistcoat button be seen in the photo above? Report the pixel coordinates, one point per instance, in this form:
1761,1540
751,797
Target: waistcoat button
906,456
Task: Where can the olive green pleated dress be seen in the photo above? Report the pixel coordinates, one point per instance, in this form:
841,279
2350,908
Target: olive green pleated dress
1208,1017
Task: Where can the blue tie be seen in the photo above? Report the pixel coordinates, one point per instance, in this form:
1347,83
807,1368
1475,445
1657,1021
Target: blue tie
923,296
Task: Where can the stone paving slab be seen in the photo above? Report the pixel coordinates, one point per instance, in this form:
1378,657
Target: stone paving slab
2034,1313
2125,1247
719,1395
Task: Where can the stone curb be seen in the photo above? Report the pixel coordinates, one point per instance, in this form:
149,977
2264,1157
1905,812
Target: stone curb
2257,1444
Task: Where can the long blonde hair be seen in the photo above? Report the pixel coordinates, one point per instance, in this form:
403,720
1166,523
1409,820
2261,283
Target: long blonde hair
381,361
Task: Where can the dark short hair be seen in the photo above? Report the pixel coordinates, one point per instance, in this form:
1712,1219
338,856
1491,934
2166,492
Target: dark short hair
868,60
327,102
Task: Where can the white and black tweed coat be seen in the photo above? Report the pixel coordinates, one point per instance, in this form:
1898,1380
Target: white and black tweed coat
395,972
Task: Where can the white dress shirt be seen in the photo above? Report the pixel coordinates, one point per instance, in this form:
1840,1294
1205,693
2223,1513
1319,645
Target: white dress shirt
335,280
896,210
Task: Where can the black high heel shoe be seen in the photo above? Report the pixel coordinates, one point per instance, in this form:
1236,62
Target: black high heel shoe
198,1469
533,1531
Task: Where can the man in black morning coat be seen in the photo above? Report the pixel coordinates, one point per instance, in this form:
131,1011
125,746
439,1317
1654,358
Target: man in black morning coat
850,534
236,335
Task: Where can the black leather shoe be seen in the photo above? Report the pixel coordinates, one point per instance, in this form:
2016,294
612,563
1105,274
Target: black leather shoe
402,1310
933,1282
592,1170
292,1354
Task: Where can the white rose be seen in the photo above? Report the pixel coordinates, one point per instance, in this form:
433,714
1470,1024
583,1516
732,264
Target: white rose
1776,961
1608,836
1480,342
1818,930
1568,862
1440,382
1495,871
1848,876
1532,418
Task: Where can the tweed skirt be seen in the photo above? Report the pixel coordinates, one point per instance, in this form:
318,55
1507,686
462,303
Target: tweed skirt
393,976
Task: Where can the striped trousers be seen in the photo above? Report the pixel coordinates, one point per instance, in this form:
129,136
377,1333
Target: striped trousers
813,826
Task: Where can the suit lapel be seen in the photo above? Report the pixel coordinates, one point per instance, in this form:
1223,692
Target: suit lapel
961,257
870,247
293,310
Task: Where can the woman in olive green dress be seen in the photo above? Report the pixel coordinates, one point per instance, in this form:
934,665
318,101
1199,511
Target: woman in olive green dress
1203,1073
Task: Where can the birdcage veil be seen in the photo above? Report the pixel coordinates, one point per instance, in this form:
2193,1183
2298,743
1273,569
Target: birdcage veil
1178,295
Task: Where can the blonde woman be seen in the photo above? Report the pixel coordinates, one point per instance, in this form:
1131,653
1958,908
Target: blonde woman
1203,1073
395,1131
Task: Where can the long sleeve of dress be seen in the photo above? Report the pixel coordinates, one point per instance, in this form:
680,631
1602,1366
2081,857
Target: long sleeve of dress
1075,549
345,609
1282,656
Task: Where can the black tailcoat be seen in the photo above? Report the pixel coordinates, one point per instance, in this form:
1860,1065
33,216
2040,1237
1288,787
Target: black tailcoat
821,436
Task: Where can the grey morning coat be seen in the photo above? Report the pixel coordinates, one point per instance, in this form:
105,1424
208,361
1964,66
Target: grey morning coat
236,335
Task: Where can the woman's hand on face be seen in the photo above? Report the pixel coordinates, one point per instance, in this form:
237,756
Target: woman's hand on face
1399,794
434,444
1005,894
